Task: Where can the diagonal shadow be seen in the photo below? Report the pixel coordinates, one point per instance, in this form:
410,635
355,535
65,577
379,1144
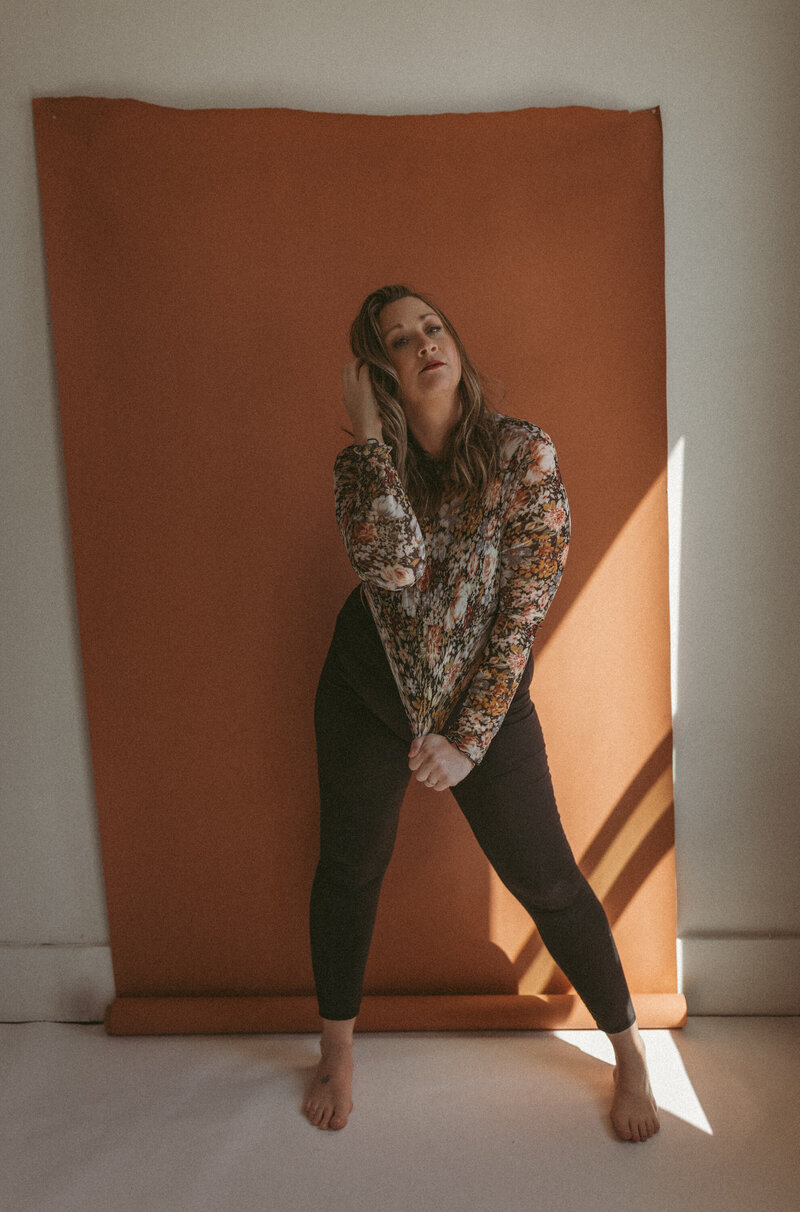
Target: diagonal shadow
634,838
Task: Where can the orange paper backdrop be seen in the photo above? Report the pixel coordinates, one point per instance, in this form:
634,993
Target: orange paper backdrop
204,266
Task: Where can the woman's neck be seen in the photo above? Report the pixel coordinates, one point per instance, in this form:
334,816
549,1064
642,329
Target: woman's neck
432,430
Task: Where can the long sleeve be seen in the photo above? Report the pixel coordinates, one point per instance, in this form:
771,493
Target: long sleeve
378,526
532,557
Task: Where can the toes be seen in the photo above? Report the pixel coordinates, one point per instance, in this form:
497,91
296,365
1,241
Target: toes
635,1131
648,1128
640,1124
325,1118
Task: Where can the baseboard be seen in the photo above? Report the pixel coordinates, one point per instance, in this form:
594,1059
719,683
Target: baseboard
54,982
725,976
736,975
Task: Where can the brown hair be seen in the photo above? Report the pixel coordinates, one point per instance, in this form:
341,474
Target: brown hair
471,457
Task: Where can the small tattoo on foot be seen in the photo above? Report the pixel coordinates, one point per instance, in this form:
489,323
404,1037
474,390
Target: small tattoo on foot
325,1079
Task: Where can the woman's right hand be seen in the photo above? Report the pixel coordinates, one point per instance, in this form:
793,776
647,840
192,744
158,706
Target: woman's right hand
359,400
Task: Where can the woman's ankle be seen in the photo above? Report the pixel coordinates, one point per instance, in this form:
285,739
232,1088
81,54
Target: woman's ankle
337,1034
628,1046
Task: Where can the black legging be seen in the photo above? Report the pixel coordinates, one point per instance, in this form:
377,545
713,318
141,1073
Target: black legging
363,738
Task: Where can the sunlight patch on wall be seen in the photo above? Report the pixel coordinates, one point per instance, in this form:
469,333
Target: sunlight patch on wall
675,465
542,970
612,690
619,715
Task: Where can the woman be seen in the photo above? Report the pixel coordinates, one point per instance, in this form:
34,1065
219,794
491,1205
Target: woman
457,522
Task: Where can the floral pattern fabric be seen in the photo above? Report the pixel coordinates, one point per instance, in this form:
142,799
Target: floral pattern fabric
458,602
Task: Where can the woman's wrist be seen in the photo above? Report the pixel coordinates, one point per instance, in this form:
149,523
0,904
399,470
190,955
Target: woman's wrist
460,750
361,436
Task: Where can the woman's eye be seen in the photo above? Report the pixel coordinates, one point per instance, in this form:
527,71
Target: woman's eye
402,340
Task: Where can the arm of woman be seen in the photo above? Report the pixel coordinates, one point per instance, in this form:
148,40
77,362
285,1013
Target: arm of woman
379,529
378,526
533,554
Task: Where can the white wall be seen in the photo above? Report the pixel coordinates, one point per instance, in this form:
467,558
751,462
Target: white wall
725,76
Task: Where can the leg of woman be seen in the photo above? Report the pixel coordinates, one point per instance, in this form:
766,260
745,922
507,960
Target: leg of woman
362,757
509,803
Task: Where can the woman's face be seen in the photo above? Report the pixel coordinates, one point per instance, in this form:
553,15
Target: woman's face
423,353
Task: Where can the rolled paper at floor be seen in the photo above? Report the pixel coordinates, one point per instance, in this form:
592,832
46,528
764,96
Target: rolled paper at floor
472,1012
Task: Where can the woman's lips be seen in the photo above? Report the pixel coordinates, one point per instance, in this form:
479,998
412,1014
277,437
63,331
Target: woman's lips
431,366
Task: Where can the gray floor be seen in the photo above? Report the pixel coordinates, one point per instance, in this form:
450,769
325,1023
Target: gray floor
473,1120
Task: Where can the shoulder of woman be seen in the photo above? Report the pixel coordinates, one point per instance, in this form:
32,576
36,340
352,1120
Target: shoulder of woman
520,440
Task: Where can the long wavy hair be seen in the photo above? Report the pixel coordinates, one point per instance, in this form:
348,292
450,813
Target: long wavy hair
471,456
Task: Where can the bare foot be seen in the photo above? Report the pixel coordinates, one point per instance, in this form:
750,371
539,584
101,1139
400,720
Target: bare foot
633,1112
329,1101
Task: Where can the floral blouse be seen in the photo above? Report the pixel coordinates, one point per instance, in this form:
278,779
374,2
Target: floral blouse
457,603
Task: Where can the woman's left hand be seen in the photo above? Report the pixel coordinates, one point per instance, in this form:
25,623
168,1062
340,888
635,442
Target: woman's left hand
438,763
